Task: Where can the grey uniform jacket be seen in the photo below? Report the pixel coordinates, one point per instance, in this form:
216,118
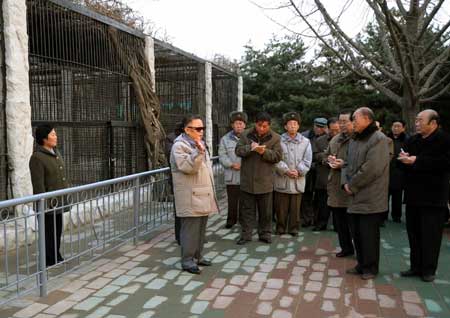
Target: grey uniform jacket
227,156
297,154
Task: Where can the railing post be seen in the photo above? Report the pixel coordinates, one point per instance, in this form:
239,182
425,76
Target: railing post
41,247
136,210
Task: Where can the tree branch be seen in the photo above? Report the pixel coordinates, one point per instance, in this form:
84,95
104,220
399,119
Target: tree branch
337,30
384,36
429,17
441,92
401,8
436,37
426,89
439,59
398,50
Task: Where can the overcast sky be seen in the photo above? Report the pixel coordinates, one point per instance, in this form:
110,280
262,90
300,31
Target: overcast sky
206,27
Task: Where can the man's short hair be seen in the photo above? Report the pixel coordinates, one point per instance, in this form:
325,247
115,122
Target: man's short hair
263,116
366,111
346,111
189,118
434,116
42,132
401,121
332,120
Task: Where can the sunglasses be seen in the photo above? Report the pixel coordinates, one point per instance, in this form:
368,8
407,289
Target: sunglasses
198,129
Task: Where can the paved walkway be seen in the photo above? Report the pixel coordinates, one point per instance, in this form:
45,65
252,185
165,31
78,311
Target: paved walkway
292,277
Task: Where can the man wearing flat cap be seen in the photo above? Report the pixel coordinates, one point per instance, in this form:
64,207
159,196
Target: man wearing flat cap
232,164
307,206
289,183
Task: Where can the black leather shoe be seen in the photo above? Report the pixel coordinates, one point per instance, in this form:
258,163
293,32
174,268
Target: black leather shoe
267,240
242,241
229,226
319,228
409,273
204,262
344,254
428,278
294,234
193,270
367,276
353,271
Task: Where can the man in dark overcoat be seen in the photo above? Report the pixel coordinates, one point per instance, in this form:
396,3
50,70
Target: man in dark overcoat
366,178
426,160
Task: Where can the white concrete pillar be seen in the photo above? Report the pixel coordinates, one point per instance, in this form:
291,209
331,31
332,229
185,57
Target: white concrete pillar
208,104
18,108
150,56
240,94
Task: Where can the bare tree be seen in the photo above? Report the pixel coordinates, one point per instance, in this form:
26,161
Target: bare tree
409,69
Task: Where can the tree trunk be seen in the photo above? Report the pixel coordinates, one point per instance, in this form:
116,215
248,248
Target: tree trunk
410,109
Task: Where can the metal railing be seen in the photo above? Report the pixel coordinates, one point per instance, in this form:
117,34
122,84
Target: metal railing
97,218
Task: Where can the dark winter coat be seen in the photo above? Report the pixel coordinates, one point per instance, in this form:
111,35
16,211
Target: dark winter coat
47,174
427,180
396,173
367,171
338,147
257,171
319,147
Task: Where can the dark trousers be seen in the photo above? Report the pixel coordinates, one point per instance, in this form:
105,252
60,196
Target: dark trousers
192,238
425,226
341,223
53,232
365,229
323,212
396,204
247,214
233,193
287,210
307,208
177,225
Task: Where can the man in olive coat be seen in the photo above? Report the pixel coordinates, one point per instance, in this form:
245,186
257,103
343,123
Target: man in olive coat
309,202
426,163
366,181
260,150
47,174
319,146
338,199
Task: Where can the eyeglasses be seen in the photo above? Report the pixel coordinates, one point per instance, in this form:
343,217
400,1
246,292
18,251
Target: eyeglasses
197,129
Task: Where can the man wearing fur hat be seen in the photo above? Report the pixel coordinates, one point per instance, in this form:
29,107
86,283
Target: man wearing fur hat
232,164
290,175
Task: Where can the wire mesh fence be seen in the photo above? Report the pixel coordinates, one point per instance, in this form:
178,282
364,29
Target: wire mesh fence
80,84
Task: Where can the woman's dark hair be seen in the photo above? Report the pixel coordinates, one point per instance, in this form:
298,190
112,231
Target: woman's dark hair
42,132
188,118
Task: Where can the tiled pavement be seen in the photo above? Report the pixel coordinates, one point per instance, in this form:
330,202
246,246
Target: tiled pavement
292,277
